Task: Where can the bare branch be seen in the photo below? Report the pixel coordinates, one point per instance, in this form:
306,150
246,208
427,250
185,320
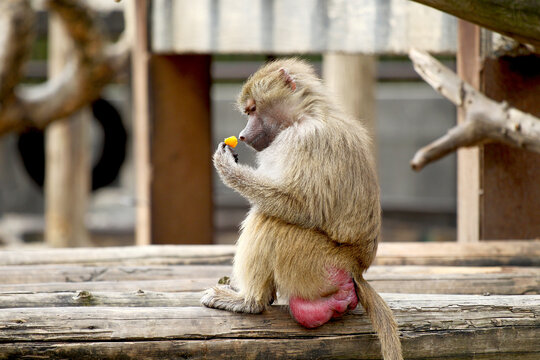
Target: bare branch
95,64
465,135
16,34
485,120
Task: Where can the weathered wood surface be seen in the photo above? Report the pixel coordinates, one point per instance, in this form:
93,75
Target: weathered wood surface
113,298
303,26
488,253
397,279
164,297
431,326
131,303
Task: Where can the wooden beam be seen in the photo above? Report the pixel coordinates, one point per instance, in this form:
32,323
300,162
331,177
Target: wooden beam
181,154
431,326
68,169
301,26
515,18
486,253
498,186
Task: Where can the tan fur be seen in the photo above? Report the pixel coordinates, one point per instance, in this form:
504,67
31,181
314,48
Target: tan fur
315,201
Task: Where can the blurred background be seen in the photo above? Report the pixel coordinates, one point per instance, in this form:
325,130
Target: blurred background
407,113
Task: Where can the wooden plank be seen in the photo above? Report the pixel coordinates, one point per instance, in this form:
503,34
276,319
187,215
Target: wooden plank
181,189
137,298
67,153
188,296
304,26
176,285
127,255
488,253
141,119
74,273
431,326
399,279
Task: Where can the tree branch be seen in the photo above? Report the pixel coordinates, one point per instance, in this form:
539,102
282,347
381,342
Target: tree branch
95,64
16,34
485,119
517,19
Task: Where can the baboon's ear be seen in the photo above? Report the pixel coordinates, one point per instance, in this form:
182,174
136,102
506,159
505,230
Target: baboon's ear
289,80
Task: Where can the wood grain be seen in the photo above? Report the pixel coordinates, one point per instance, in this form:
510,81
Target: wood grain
431,326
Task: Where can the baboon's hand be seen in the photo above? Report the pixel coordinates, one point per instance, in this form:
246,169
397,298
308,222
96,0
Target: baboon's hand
223,158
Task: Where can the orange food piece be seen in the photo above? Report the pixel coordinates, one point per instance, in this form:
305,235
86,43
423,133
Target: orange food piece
231,141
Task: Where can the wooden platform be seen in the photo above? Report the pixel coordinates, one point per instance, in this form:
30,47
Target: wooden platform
143,302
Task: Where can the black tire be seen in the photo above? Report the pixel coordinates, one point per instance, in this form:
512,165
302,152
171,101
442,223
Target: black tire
31,146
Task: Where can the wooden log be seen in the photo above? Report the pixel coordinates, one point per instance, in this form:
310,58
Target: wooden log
399,279
68,169
431,326
488,253
353,80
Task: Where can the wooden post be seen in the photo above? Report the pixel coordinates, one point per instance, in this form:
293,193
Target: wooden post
181,188
141,118
469,188
352,78
67,175
172,143
498,186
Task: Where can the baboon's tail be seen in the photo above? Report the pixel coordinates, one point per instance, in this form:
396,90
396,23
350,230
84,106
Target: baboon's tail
382,319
